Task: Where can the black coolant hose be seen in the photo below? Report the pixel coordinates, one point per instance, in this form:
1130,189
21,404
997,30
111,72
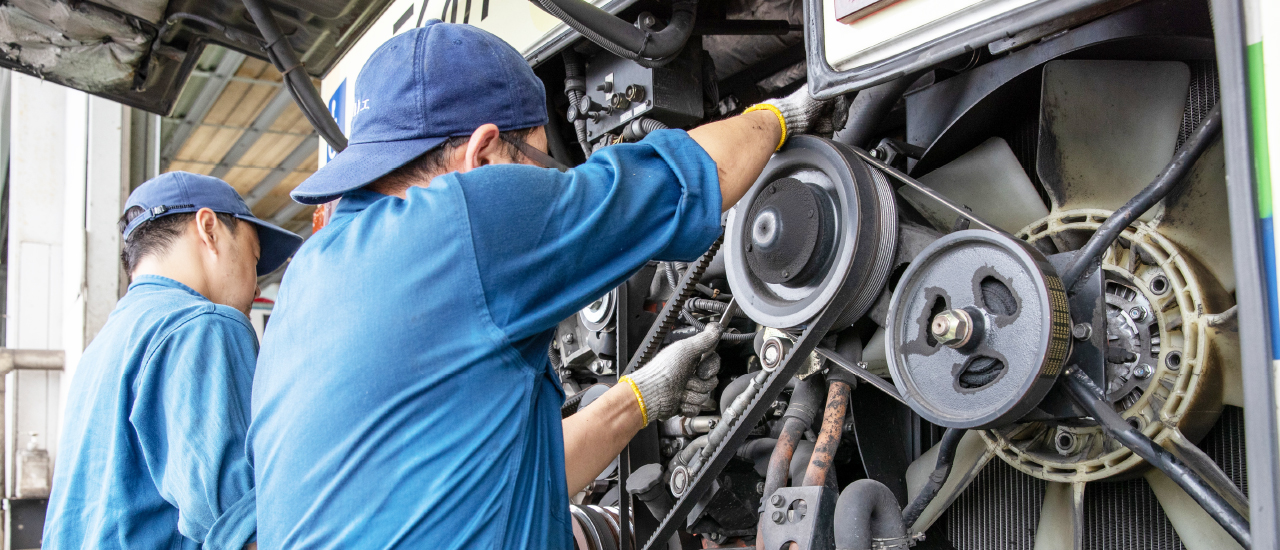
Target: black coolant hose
941,470
641,127
296,80
575,88
639,42
1177,169
869,108
868,512
1087,395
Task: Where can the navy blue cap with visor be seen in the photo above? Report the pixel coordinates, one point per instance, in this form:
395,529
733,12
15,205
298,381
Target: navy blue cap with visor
184,192
419,89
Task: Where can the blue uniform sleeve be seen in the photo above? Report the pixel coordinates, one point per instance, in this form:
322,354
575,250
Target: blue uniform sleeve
547,243
190,413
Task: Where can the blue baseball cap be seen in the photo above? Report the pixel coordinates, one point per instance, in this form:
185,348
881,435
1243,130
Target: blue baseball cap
419,89
184,192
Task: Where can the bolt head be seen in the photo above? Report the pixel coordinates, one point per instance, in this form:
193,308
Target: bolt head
1081,331
777,500
1143,371
778,517
1137,313
952,328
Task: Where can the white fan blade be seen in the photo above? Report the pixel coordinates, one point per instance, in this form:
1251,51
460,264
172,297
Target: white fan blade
971,456
1107,128
1195,527
1195,216
989,181
1061,524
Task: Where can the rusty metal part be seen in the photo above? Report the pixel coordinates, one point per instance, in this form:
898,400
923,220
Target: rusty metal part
755,411
824,452
671,310
780,460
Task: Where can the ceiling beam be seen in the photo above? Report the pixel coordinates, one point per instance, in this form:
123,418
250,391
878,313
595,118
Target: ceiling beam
286,166
204,101
260,125
288,212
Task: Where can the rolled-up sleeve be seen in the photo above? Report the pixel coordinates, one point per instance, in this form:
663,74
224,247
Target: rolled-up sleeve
190,413
547,243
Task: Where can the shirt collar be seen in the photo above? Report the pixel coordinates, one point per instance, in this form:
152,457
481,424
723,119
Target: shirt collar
356,200
146,283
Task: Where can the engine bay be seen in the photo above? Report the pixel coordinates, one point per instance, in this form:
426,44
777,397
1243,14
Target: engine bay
987,303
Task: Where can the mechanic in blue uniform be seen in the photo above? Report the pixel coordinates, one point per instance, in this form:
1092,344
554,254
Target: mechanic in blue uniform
152,453
403,397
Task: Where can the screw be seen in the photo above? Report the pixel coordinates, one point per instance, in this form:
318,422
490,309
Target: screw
1143,371
1081,331
952,328
786,273
778,517
772,189
567,339
760,487
810,212
1137,313
777,500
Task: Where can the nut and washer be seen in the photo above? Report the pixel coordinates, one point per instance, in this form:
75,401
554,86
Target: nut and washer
952,328
1081,331
1143,371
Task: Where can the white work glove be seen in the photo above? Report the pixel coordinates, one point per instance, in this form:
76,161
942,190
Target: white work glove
798,112
680,379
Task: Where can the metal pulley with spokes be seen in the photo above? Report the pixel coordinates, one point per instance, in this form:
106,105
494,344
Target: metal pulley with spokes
816,213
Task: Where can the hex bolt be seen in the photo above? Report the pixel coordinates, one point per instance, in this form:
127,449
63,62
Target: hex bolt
1143,371
777,501
567,339
952,328
760,487
1137,313
1081,331
778,517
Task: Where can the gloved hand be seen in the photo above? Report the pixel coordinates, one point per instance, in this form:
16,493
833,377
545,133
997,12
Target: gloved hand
799,112
680,379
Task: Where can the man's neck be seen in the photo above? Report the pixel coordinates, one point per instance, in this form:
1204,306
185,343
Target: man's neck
177,266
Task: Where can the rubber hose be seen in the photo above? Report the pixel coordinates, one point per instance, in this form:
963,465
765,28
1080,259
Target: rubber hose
867,511
1088,396
574,73
646,47
806,400
641,127
868,109
714,306
824,451
1183,159
941,470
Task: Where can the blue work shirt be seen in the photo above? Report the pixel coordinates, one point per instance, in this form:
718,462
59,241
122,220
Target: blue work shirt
403,396
152,453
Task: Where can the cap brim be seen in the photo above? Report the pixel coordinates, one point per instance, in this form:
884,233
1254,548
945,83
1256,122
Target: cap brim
358,165
276,245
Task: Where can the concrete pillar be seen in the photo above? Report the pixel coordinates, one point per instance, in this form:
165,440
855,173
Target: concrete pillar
68,179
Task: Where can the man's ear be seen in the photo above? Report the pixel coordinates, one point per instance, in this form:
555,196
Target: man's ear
484,147
206,224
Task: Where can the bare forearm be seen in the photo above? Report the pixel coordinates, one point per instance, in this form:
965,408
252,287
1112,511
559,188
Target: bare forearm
596,434
741,146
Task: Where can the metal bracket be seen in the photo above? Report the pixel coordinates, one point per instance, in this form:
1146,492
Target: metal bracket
801,515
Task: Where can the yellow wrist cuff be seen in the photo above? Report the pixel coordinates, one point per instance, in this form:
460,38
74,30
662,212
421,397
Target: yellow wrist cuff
781,120
644,412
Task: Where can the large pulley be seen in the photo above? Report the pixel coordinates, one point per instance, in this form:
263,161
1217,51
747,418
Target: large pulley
978,330
816,213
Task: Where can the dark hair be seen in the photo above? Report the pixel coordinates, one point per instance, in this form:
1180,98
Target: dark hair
155,236
432,163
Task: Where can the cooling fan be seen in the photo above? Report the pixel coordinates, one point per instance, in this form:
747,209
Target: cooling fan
1106,129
